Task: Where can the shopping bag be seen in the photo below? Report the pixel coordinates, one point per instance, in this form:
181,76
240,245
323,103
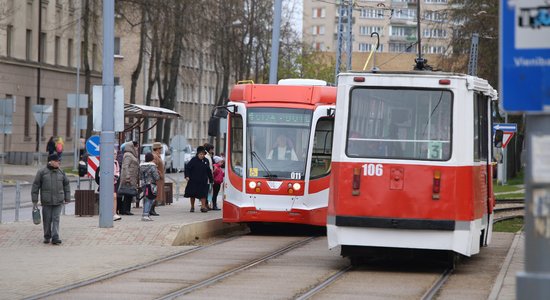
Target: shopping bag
36,215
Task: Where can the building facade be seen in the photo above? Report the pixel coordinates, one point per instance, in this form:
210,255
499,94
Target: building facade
394,20
38,62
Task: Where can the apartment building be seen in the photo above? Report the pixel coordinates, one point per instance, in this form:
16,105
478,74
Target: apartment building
394,20
38,66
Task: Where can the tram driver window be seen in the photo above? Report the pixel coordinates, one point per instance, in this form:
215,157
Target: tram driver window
236,144
400,123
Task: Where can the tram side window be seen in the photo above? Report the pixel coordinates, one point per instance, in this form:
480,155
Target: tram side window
400,123
236,145
481,123
322,148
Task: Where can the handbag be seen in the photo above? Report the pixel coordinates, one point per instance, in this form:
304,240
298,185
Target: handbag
125,190
151,191
36,215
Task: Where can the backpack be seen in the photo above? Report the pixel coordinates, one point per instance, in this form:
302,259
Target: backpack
218,175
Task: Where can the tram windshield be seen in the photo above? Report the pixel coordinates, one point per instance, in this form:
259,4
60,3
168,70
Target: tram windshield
277,142
399,123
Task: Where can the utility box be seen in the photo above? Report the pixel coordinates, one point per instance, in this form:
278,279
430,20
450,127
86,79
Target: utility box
86,203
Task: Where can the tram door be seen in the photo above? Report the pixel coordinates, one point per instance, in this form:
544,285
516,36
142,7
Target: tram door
482,160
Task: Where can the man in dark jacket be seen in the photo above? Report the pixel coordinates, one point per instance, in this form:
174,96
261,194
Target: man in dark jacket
53,185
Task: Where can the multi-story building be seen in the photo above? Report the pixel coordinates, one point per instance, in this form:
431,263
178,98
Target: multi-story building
38,59
394,20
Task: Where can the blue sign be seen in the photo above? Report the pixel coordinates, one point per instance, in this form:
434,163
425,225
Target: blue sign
524,55
92,145
506,127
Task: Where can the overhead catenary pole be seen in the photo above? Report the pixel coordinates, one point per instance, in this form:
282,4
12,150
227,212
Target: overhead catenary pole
107,137
275,35
76,140
340,38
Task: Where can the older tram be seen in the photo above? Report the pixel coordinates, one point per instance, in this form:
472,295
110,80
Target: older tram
279,146
411,165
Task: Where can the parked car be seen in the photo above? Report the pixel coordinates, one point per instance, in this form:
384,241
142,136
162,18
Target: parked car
165,154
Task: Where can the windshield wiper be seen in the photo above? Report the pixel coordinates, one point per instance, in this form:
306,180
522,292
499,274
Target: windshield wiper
269,174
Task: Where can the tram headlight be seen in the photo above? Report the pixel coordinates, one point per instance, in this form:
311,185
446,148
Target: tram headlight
252,185
296,186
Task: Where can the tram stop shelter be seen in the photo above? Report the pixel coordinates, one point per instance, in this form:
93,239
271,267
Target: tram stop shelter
137,114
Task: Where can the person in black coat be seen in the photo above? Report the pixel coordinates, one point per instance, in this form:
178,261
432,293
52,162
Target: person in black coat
50,147
198,175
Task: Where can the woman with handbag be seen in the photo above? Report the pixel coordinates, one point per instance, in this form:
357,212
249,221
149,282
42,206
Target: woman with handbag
129,176
149,175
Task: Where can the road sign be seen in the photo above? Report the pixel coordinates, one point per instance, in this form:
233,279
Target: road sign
524,66
508,131
118,106
92,145
93,164
41,113
82,100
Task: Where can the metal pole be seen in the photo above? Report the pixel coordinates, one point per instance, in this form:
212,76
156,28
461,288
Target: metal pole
17,200
77,108
534,282
1,199
340,39
505,158
107,136
350,37
275,41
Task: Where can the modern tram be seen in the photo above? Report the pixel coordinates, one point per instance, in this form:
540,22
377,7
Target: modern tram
279,146
411,163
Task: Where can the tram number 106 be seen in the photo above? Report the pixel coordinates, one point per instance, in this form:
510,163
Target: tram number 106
373,170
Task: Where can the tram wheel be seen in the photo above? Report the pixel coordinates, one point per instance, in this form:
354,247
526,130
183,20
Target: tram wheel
452,259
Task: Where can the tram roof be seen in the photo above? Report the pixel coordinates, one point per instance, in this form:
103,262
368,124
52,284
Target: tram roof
307,94
474,82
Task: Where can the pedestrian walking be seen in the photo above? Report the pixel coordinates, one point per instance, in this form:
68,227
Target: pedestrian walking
53,186
50,147
149,176
219,174
129,177
198,175
157,159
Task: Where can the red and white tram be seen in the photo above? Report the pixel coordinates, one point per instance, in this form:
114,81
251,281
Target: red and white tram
279,147
412,165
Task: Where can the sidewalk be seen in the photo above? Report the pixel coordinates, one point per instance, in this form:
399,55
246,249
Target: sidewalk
504,287
29,267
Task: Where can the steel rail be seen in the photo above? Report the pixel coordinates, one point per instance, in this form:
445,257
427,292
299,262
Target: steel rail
125,270
503,209
437,285
235,270
324,284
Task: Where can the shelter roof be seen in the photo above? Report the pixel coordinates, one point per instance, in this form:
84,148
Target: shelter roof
144,111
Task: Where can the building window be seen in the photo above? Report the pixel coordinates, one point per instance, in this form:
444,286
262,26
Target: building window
435,33
407,14
401,47
9,33
70,52
436,1
68,123
42,101
435,16
56,50
370,13
318,30
318,13
318,46
94,57
403,31
368,30
43,42
366,47
28,48
117,46
27,127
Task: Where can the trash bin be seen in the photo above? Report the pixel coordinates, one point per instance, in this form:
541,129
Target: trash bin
86,203
168,193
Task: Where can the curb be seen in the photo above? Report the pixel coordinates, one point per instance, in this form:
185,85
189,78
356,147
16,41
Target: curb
203,230
497,287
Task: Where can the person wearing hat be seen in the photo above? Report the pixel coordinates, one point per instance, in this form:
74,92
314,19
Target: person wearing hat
157,159
198,176
54,189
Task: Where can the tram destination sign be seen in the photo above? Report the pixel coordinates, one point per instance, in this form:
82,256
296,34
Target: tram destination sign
524,67
286,117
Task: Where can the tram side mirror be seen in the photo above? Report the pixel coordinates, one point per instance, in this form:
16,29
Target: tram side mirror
220,112
498,138
331,112
214,126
